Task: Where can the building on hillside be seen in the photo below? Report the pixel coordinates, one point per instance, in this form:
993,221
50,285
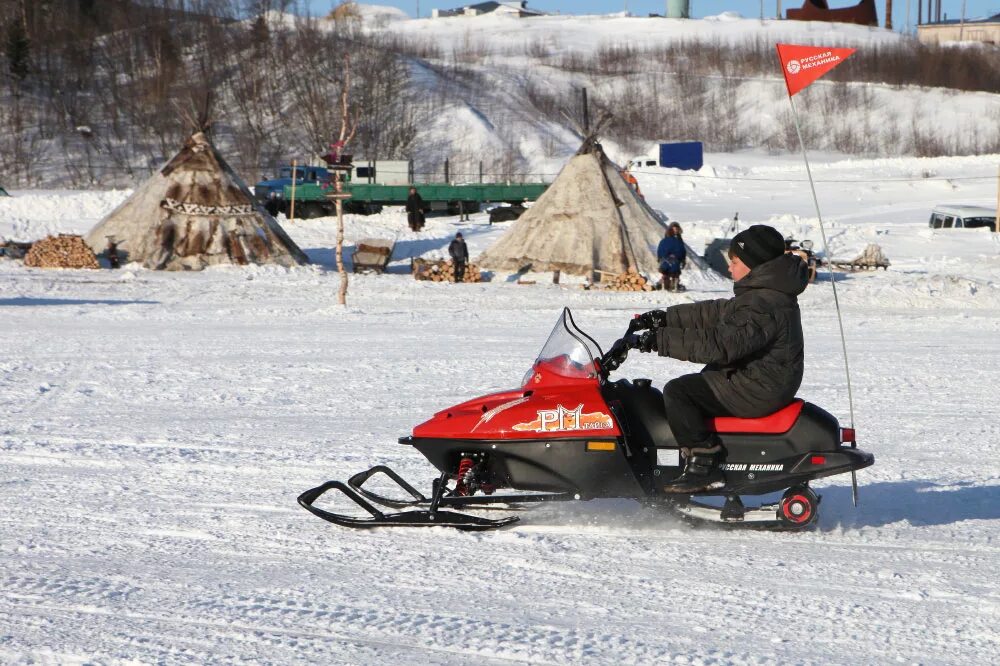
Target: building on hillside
986,30
518,9
863,13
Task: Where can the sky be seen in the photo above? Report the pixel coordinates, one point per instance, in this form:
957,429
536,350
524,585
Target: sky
699,8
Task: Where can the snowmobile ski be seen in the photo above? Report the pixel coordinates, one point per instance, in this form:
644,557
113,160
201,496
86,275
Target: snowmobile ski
429,518
508,502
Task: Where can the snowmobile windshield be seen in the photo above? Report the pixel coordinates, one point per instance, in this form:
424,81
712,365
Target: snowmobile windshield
568,352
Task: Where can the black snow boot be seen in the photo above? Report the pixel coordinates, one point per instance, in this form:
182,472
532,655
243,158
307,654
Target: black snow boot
700,474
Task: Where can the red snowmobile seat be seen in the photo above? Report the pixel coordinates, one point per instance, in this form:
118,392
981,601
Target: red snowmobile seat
772,424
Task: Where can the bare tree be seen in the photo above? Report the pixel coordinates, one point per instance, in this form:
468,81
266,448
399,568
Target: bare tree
348,125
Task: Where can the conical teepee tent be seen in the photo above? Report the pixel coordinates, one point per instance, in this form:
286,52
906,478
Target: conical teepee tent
588,219
193,213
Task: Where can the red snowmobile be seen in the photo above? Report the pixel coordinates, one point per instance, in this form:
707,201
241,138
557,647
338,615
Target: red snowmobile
570,433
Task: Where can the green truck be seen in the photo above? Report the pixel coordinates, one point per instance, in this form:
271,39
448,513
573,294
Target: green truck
311,200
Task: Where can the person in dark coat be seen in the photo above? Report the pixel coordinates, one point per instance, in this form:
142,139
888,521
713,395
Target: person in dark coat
459,255
752,345
415,210
672,256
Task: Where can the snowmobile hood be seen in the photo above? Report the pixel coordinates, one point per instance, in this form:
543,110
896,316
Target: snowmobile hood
570,410
787,274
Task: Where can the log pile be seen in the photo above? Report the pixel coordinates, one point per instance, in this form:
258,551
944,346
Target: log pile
443,271
62,251
630,280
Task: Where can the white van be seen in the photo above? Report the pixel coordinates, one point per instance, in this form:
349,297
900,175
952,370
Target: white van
963,217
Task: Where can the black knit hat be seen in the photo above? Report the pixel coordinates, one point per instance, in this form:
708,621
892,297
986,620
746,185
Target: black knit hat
757,245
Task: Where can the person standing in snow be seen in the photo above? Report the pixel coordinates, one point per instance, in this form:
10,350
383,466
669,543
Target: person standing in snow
752,345
672,256
459,256
415,210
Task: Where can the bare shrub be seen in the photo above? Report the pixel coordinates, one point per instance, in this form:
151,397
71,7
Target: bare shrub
926,142
616,59
538,48
469,50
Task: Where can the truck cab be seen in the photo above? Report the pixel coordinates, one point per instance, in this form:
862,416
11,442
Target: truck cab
271,193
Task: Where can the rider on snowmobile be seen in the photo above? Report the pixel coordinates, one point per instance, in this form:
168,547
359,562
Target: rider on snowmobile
752,344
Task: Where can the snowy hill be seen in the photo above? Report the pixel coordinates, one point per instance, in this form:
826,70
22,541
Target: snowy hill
519,65
488,91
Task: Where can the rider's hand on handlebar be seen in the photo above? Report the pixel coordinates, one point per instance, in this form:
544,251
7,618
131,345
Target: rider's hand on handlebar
644,342
648,320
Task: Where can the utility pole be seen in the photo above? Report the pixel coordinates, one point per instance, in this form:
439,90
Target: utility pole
888,14
961,25
778,16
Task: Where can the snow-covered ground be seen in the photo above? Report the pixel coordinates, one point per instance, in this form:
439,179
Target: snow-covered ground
158,427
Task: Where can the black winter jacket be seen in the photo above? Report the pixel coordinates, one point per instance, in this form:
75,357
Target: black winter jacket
752,343
415,203
458,250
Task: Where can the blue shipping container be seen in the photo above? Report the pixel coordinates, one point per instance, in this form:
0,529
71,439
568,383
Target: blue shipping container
681,155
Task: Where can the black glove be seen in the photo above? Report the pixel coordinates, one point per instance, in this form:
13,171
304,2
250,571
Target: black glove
616,355
644,342
648,320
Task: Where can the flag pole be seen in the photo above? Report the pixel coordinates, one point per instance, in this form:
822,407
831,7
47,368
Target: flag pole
833,283
826,250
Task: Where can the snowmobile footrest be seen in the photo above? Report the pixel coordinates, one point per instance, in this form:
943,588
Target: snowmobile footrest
376,518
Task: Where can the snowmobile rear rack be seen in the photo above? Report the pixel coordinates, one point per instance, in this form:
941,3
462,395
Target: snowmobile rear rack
430,518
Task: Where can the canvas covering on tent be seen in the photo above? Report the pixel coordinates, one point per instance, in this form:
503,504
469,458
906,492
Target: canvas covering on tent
195,212
588,219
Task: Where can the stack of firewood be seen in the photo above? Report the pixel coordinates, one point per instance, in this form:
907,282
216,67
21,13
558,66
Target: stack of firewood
62,251
630,280
443,271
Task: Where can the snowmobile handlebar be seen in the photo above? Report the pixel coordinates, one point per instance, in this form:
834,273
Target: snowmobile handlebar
616,355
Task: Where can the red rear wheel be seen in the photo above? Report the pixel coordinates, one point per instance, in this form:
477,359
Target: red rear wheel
798,507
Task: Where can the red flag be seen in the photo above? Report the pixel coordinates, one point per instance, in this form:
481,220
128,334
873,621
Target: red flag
802,65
